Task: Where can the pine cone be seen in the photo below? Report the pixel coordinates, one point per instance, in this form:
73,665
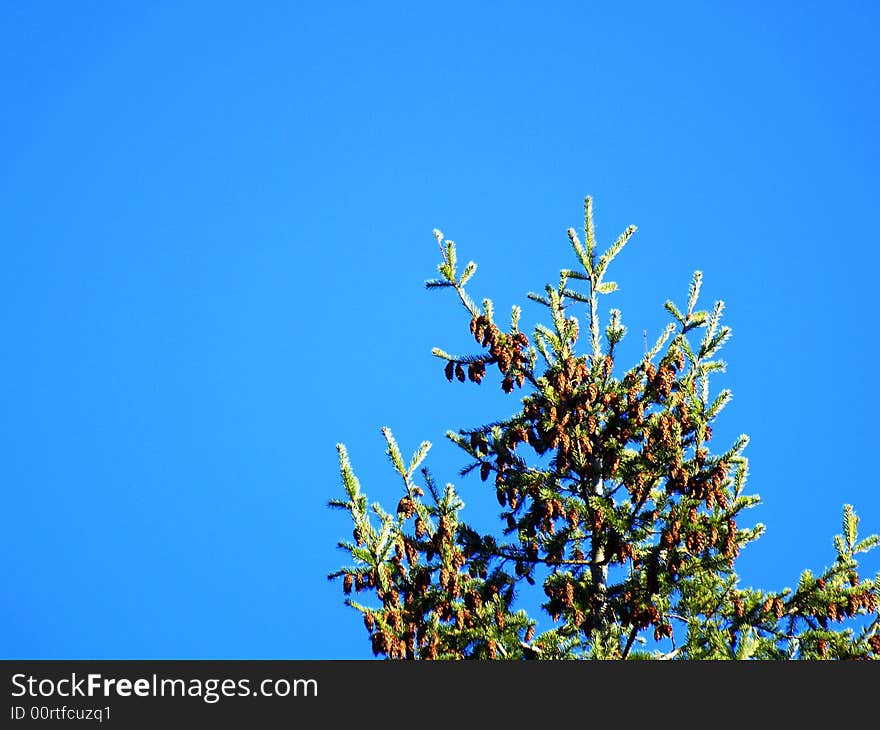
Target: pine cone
412,554
832,612
406,507
679,359
737,606
852,604
513,498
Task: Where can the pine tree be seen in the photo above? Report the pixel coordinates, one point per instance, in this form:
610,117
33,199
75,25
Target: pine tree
611,502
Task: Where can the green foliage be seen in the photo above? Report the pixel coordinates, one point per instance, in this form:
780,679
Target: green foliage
611,504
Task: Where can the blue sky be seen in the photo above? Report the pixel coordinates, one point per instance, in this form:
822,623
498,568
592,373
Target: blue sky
215,229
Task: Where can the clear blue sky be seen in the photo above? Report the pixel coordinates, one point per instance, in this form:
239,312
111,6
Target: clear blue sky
216,224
